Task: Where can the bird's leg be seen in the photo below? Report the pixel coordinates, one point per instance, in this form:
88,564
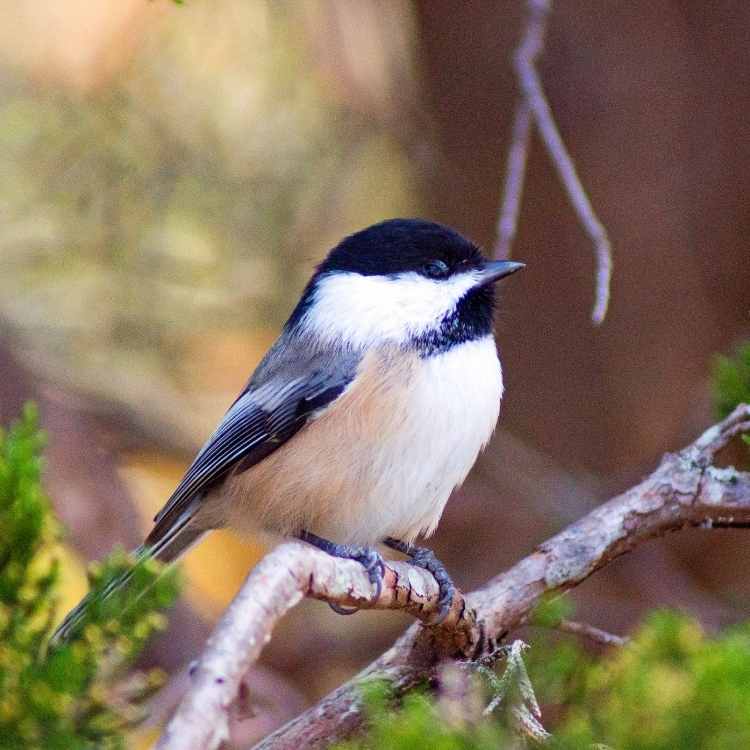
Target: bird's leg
368,557
425,558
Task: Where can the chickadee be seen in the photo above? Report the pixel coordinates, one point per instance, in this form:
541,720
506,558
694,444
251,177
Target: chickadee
368,411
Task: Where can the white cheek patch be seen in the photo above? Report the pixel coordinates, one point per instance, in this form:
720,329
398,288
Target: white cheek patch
360,310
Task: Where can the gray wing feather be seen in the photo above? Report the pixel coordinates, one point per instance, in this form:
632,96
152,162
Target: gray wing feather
291,385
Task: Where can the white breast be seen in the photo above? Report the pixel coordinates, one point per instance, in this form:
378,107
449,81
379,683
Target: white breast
454,404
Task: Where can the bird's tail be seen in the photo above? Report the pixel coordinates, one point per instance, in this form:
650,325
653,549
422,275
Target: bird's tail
164,545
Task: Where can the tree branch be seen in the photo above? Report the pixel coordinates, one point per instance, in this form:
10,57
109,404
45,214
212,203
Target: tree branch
533,102
276,584
685,490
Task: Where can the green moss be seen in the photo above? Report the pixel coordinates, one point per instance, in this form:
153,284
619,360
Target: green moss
417,723
731,380
551,610
672,687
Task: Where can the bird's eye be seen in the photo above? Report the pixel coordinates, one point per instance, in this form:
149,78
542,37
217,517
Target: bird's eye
436,269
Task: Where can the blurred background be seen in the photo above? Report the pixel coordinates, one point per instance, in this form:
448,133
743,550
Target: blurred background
170,175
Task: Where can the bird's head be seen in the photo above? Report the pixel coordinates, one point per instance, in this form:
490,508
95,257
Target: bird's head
402,281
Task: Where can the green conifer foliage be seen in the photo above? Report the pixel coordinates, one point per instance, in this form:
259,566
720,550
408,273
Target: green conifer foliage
671,687
78,695
731,380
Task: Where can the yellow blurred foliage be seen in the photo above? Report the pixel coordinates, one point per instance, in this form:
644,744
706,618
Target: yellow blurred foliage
143,738
73,581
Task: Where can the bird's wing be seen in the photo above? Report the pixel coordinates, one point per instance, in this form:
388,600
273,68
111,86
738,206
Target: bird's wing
289,387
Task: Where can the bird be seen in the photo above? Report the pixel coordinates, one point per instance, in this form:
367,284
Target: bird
366,413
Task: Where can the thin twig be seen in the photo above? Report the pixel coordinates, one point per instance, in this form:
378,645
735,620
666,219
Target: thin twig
533,101
528,725
591,632
532,42
515,172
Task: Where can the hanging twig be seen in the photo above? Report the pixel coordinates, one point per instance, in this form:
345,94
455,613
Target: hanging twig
533,102
515,172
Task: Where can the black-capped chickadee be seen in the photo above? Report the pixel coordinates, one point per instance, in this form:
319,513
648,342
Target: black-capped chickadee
364,416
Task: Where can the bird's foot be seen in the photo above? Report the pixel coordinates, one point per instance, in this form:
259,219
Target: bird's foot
425,558
368,557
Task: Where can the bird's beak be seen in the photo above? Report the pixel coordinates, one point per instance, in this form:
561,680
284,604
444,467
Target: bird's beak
494,270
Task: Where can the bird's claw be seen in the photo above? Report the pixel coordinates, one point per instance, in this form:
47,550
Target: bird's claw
373,564
426,559
368,557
